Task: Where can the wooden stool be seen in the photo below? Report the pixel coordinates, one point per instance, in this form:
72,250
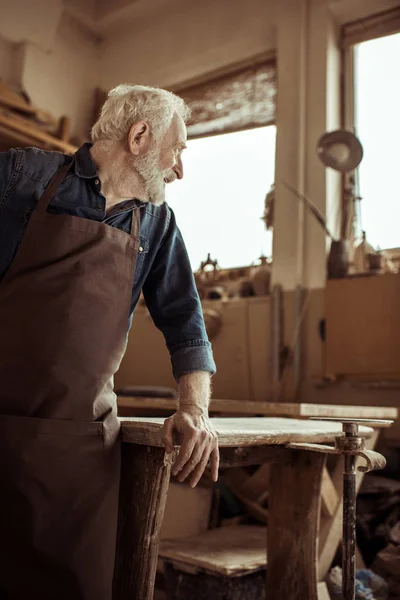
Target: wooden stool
228,563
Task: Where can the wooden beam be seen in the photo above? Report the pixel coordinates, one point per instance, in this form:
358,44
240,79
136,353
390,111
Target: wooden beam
145,474
251,455
294,508
15,123
323,593
64,129
329,496
14,100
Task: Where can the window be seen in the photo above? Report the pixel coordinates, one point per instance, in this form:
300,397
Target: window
220,201
377,124
371,107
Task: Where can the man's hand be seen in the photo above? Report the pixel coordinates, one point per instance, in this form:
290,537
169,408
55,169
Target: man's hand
192,429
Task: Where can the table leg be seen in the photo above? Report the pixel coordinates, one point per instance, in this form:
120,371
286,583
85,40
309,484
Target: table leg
145,474
293,524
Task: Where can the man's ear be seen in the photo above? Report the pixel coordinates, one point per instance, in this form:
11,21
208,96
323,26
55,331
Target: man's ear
139,137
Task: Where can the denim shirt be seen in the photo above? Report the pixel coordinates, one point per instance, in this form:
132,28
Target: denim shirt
162,271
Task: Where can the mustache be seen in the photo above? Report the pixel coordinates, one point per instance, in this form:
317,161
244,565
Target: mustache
170,177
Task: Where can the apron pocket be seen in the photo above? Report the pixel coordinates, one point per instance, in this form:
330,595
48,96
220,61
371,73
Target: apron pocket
39,426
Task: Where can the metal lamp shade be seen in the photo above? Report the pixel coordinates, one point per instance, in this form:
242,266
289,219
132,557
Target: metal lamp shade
340,150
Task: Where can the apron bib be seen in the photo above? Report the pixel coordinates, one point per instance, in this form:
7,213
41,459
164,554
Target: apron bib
64,308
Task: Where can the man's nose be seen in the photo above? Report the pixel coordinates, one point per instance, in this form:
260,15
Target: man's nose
178,168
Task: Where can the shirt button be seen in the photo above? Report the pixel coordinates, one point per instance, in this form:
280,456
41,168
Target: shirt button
140,248
99,207
97,182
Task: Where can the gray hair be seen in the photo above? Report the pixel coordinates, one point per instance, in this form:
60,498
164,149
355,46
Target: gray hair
126,104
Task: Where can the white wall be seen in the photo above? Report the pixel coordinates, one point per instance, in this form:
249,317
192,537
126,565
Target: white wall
189,39
34,20
63,79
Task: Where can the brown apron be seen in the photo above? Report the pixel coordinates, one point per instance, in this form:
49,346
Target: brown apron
64,307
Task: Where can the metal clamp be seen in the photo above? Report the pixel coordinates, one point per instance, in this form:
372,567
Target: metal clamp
352,444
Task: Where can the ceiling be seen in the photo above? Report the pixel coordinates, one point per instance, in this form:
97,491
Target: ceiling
103,17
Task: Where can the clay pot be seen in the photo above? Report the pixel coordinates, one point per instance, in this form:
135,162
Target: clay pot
338,259
261,277
375,262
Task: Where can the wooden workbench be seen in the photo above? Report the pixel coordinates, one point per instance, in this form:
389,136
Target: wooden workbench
294,506
138,406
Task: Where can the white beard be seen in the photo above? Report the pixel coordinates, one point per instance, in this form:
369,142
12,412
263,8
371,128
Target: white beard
152,177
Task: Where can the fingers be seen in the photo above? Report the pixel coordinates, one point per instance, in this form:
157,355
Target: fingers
167,435
192,463
214,464
199,444
200,468
199,458
184,456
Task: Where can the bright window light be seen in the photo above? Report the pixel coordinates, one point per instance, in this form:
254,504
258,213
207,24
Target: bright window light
220,201
377,115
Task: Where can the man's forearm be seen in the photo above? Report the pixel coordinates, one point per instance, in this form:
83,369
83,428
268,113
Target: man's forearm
195,391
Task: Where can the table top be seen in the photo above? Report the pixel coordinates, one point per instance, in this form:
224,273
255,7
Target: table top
234,432
268,409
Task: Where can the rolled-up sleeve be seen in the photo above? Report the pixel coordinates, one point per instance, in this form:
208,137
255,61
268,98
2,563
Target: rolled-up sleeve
171,296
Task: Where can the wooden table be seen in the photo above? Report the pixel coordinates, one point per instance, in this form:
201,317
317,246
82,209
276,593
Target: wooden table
294,501
131,406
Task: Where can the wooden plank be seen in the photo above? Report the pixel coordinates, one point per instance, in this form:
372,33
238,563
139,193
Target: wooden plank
14,123
27,124
294,509
228,551
271,409
323,593
329,410
243,432
329,495
145,474
237,480
10,138
64,129
256,487
14,100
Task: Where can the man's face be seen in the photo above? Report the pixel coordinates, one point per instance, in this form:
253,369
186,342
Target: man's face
162,163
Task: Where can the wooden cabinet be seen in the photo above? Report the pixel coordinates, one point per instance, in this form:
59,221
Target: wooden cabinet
363,327
241,351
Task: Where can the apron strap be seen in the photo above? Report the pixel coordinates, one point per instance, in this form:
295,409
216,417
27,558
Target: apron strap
52,187
135,223
55,183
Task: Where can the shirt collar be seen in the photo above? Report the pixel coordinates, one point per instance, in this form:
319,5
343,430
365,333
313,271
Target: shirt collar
84,165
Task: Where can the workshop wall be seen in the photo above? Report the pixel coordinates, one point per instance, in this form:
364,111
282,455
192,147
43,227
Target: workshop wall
187,40
62,80
6,60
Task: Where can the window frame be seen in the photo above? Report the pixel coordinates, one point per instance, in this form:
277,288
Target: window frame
352,33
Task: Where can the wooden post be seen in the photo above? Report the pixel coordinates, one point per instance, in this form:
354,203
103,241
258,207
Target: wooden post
145,473
294,507
64,129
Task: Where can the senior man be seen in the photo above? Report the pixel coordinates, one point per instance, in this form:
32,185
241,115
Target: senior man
80,237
